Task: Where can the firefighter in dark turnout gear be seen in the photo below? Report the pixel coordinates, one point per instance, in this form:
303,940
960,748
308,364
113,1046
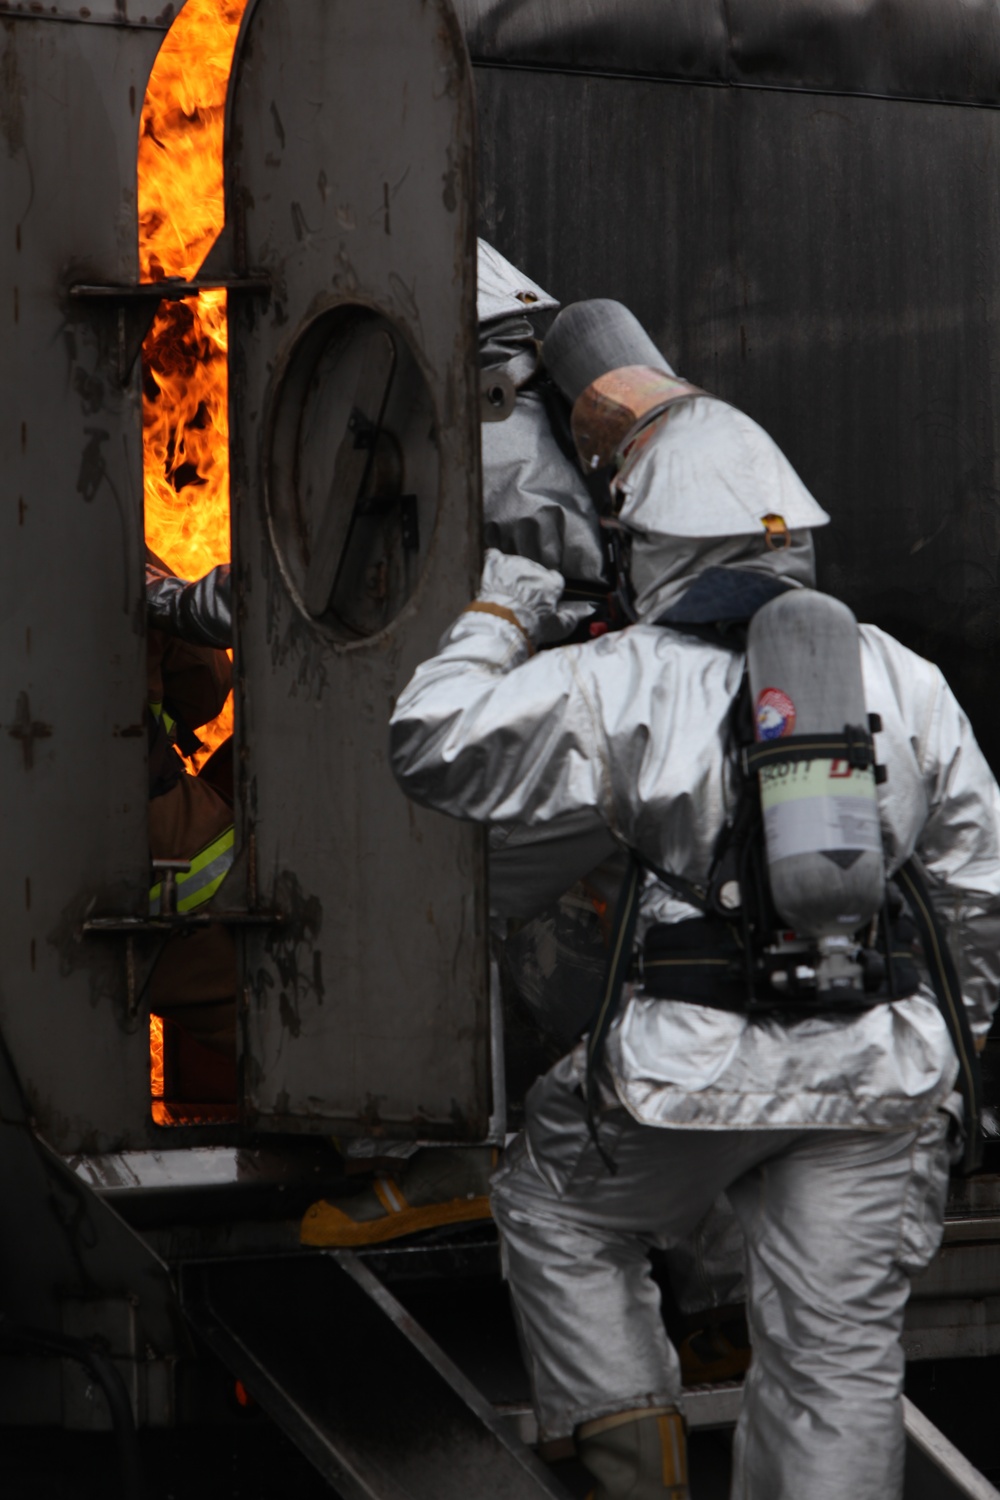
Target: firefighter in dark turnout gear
190,676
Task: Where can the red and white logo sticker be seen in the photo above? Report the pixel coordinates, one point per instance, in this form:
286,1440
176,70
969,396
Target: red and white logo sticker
775,714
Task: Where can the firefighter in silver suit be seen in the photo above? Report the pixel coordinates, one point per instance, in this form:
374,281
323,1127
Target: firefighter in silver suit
832,1135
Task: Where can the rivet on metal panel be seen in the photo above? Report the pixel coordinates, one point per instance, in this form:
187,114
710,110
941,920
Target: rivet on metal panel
497,395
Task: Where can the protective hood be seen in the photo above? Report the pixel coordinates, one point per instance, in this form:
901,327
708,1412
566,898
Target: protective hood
704,469
678,576
504,291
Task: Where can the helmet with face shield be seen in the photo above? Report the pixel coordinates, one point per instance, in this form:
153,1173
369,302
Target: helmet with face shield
696,485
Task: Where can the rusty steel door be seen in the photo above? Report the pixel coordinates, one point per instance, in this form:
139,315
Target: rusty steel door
356,516
72,671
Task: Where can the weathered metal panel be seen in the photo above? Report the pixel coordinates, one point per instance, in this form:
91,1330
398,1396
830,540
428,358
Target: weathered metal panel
72,669
350,184
688,40
923,49
126,13
828,264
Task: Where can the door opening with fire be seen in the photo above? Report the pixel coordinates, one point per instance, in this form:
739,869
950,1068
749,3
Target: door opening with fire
185,414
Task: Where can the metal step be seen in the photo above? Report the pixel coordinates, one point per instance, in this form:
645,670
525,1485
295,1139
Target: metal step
342,1368
935,1468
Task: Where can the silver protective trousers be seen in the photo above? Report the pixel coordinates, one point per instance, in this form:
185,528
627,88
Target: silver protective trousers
835,1222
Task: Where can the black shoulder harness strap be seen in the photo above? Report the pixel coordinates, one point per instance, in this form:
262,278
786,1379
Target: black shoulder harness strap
616,972
619,962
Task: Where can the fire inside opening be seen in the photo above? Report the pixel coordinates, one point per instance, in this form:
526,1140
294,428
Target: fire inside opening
185,378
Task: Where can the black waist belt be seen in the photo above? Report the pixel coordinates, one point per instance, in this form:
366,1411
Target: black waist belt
696,960
701,960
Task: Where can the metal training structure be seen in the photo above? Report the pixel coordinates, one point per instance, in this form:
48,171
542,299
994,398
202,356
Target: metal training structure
799,202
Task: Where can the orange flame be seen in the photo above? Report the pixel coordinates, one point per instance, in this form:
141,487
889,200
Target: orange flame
185,385
156,1072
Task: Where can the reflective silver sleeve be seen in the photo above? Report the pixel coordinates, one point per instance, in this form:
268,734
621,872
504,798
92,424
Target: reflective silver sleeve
199,611
960,847
481,732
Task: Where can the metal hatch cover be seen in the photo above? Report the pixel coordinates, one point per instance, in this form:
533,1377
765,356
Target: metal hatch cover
356,517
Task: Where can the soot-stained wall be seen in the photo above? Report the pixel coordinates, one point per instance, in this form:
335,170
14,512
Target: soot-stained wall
829,262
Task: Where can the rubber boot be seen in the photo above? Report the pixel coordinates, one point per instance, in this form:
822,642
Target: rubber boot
717,1347
636,1455
436,1186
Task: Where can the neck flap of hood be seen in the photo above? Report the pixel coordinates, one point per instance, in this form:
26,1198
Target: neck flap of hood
703,580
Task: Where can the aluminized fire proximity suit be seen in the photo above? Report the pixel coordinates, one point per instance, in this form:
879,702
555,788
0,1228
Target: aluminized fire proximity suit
829,1134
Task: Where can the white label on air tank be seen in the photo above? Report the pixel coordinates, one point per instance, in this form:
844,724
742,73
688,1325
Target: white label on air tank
813,805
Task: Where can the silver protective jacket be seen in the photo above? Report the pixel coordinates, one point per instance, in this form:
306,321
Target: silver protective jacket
631,728
535,501
199,611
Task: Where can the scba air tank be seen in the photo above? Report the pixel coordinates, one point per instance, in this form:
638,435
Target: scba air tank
821,824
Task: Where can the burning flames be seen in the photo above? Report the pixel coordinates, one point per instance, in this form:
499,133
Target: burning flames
185,386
